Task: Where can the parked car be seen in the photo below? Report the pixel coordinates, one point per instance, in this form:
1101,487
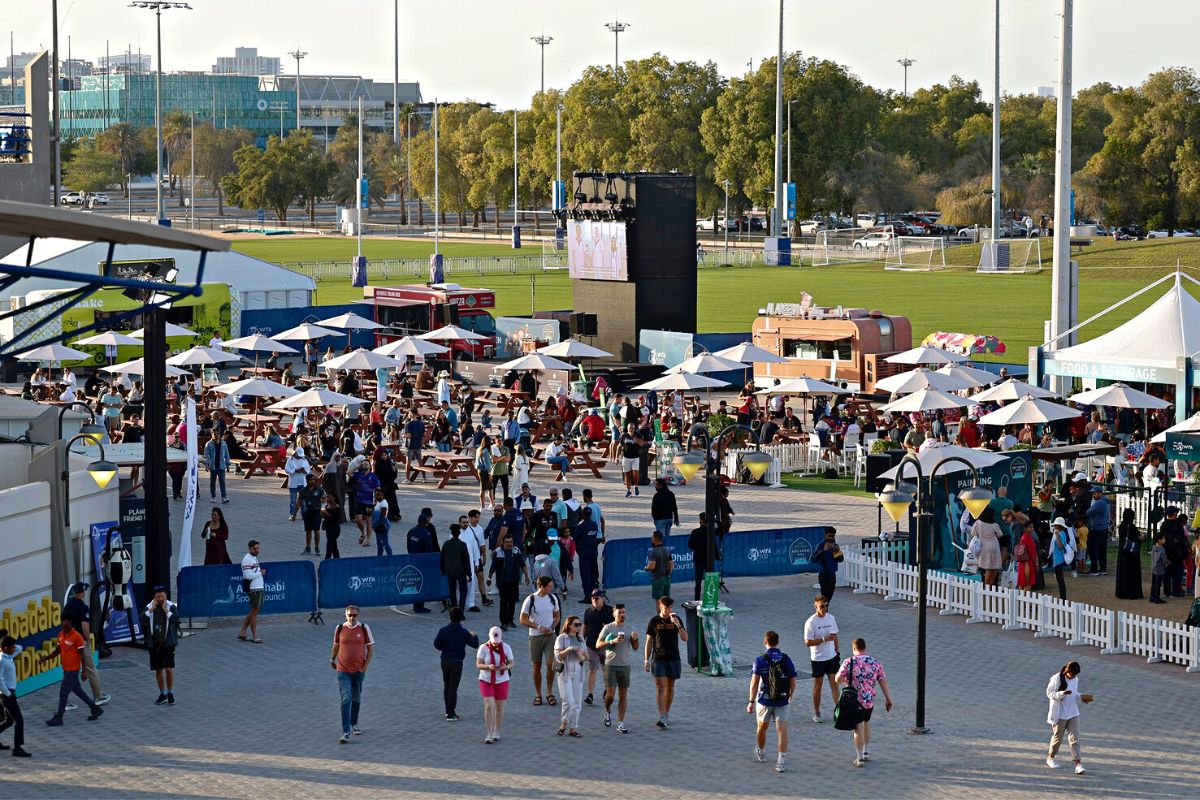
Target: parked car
872,241
710,224
751,224
98,199
864,220
71,199
1164,233
810,226
1128,233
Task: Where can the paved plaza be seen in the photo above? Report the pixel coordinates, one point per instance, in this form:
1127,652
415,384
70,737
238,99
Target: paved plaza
261,721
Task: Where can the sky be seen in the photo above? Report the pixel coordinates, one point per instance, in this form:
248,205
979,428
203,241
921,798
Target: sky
482,49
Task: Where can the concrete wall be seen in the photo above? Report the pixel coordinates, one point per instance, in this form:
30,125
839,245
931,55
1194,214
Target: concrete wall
29,182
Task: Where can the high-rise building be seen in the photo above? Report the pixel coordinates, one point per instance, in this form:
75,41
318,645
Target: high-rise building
18,61
246,61
124,62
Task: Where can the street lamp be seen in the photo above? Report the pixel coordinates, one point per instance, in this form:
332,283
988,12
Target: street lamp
91,432
725,183
896,503
617,29
102,472
541,41
158,6
297,54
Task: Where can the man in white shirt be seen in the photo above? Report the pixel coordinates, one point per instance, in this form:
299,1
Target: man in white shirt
215,342
540,613
821,636
1007,441
254,585
472,536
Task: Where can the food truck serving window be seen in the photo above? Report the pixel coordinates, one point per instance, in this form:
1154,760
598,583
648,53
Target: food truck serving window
813,348
479,323
406,319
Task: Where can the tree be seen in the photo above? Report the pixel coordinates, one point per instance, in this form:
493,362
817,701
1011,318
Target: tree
390,168
177,141
924,125
122,141
92,169
272,178
215,149
966,203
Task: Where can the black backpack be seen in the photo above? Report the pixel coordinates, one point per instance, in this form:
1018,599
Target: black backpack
778,683
1193,617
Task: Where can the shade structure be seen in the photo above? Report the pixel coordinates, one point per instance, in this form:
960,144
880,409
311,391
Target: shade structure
170,328
936,452
971,375
138,367
256,387
1120,396
925,354
921,378
349,322
259,344
926,400
110,339
573,348
1033,410
536,362
804,387
748,353
1011,389
306,331
681,380
200,356
53,352
707,362
316,398
1189,425
452,333
360,359
410,346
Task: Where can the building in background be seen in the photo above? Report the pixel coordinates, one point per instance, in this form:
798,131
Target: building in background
246,61
124,63
325,100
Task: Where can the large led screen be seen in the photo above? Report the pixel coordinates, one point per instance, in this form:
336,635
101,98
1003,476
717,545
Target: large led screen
596,250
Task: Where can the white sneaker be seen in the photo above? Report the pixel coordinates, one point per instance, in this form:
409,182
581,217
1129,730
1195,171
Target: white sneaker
779,767
621,728
1079,770
344,738
102,699
817,719
759,755
866,756
1052,764
71,707
1074,574
858,762
357,731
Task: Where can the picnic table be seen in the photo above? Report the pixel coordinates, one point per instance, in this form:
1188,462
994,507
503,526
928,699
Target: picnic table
265,460
579,458
503,399
256,423
548,425
443,466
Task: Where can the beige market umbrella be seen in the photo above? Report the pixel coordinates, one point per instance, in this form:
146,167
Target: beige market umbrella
926,400
925,354
920,378
1011,389
1032,410
970,375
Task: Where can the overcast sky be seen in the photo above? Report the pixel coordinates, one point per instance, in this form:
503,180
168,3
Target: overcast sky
481,49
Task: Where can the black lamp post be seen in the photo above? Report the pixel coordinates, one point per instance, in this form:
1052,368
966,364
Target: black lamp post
896,503
102,473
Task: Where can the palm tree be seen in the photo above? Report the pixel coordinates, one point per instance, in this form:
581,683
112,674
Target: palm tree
122,141
177,140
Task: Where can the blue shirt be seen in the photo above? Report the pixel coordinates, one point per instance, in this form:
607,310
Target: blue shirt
826,563
453,640
8,672
761,670
416,434
515,522
587,538
1098,516
419,540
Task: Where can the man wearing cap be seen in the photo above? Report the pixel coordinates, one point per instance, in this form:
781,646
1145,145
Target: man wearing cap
1176,543
594,620
80,614
1099,522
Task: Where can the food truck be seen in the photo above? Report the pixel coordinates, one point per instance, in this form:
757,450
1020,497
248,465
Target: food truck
830,344
418,308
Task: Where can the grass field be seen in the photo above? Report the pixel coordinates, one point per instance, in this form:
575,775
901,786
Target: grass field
1011,307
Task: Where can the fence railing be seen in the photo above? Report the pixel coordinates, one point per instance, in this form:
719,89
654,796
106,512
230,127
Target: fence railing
869,570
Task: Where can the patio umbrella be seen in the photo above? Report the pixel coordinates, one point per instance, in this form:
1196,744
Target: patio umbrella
536,362
926,400
1011,389
306,331
170,329
1120,396
573,348
750,354
349,323
138,367
410,346
925,354
258,344
970,375
707,362
1189,425
681,380
804,387
53,352
936,452
202,356
316,398
360,359
256,387
452,333
920,378
1033,410
110,339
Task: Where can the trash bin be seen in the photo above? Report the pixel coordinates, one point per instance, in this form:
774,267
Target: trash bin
697,652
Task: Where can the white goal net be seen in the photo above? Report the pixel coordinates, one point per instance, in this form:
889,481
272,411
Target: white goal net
1011,256
916,254
853,245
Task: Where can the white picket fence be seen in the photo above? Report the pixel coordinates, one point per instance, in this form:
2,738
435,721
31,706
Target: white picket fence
869,572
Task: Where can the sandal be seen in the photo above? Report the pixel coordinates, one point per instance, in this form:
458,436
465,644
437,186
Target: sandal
576,734
562,731
257,641
552,700
242,637
537,701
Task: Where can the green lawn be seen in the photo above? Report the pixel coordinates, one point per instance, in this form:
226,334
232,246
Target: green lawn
1011,307
815,483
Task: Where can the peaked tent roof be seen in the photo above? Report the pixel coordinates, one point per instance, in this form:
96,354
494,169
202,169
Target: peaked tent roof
1167,330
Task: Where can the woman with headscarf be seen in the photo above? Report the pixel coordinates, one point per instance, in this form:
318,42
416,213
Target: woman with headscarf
1026,553
494,660
1129,558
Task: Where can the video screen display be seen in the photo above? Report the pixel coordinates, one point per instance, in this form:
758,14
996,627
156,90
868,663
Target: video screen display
596,250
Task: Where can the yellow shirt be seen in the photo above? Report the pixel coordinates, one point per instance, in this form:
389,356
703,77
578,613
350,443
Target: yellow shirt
1081,534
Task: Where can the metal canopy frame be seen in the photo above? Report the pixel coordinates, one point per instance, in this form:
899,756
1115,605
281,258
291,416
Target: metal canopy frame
34,222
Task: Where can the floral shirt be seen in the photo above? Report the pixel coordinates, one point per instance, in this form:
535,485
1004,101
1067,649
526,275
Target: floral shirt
867,672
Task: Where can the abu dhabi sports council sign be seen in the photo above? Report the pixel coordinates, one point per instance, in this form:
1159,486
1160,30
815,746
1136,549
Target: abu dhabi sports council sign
290,587
381,580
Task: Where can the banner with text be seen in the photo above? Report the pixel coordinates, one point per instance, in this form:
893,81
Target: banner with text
116,627
382,580
216,590
777,551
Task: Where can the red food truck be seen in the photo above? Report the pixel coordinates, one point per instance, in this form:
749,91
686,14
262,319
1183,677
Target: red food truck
418,308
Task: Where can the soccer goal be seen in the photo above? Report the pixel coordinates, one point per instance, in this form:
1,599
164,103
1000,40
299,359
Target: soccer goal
1011,256
917,254
852,245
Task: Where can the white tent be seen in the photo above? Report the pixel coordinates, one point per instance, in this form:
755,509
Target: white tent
258,284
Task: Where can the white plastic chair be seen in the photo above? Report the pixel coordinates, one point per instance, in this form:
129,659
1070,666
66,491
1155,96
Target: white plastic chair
860,464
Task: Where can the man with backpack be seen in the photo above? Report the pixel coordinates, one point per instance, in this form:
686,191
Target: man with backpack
771,687
541,613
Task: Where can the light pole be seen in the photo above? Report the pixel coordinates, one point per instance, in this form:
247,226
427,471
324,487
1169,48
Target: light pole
192,175
617,29
896,503
158,6
789,139
725,183
906,62
516,227
102,473
297,54
408,165
996,138
541,42
55,121
780,210
395,73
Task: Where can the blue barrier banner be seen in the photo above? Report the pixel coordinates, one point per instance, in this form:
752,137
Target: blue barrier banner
779,551
382,580
216,590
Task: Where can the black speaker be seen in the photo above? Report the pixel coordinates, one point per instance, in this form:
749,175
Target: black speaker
449,314
583,324
879,463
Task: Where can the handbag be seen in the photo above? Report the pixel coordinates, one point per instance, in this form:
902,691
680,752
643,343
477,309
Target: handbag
848,711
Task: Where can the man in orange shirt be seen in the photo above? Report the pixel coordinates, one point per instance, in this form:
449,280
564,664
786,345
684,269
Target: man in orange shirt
71,647
353,646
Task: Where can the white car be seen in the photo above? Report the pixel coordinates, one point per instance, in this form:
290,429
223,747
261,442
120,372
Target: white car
873,240
710,224
71,199
1162,233
810,226
98,199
